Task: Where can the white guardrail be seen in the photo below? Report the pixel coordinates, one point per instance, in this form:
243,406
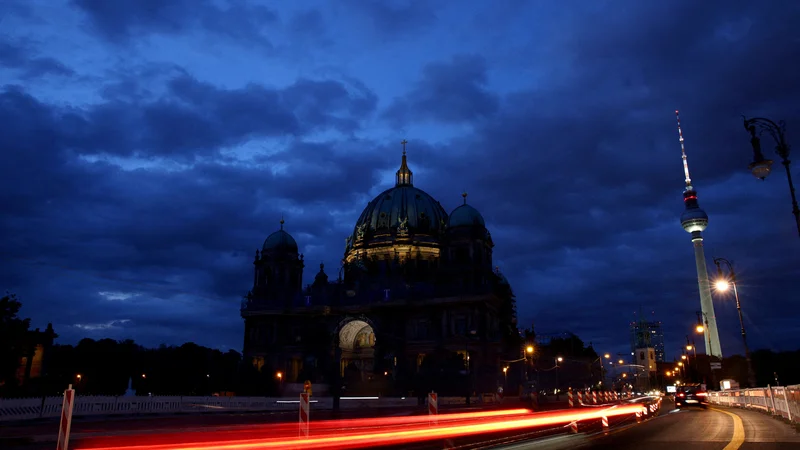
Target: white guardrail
33,408
783,401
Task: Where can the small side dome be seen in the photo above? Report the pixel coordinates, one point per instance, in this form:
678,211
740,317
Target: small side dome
280,241
465,216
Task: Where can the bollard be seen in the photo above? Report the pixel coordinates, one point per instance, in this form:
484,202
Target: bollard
580,398
66,418
569,397
604,421
594,397
433,407
304,415
573,427
638,417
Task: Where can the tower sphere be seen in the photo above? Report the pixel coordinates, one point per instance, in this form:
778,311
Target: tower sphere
694,219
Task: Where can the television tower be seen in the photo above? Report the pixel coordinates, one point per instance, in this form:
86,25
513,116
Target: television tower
694,220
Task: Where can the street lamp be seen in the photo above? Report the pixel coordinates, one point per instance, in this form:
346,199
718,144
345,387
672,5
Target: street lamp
723,283
700,329
760,167
558,360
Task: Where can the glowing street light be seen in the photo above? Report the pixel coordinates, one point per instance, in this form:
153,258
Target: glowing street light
700,329
559,359
689,347
731,280
721,285
683,357
620,362
529,349
607,356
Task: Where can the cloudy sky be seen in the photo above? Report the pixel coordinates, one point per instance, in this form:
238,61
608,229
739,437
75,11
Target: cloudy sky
148,147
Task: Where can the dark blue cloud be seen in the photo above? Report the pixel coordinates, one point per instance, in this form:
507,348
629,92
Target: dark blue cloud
125,20
452,92
18,56
136,189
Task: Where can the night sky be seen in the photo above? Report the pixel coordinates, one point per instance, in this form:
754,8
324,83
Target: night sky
148,148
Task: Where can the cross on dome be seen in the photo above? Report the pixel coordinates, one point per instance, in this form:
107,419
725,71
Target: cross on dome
404,175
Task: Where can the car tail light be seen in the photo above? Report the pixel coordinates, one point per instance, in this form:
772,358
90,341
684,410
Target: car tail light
702,394
681,395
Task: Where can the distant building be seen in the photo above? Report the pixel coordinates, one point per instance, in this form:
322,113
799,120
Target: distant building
36,346
414,282
648,335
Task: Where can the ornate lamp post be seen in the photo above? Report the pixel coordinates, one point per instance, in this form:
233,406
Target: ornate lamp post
760,167
722,285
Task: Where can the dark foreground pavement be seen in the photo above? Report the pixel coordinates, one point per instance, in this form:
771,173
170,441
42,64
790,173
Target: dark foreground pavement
694,429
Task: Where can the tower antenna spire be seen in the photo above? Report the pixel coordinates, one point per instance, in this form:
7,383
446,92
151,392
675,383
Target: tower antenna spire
683,153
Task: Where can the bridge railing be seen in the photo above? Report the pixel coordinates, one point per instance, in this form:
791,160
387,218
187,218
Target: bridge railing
783,401
33,408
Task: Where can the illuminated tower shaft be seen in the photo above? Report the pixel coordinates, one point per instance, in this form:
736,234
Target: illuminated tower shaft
694,220
711,334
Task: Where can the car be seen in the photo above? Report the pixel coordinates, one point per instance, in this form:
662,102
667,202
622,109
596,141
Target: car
691,395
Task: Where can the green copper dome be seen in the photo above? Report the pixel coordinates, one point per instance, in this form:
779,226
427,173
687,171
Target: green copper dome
280,241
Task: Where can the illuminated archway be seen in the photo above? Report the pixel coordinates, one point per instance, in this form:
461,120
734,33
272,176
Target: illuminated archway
356,335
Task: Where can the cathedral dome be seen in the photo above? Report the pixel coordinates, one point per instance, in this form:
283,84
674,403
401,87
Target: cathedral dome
402,211
465,216
280,241
388,211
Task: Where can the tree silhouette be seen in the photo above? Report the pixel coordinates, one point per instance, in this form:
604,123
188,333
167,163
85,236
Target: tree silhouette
13,331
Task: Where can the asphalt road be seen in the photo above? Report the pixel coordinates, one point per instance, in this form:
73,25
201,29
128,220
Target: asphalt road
695,429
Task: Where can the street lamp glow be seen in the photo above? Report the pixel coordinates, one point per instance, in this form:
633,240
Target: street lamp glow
620,362
559,359
683,356
689,347
607,356
680,363
78,376
529,349
279,375
505,369
669,373
700,329
721,285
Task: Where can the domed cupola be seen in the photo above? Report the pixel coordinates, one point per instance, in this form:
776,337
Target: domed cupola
280,242
465,216
278,268
399,222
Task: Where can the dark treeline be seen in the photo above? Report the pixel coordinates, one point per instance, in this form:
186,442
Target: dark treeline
771,368
104,367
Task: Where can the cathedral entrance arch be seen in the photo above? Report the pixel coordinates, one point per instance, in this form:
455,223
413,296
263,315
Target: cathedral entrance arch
356,339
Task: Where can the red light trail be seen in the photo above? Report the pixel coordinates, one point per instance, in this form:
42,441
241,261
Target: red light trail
359,433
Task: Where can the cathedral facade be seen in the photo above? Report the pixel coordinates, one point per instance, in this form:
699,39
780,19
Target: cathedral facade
415,292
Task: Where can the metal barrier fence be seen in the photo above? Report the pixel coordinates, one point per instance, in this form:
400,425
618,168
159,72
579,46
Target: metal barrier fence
33,408
783,401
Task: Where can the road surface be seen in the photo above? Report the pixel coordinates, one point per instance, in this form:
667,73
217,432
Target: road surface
714,429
